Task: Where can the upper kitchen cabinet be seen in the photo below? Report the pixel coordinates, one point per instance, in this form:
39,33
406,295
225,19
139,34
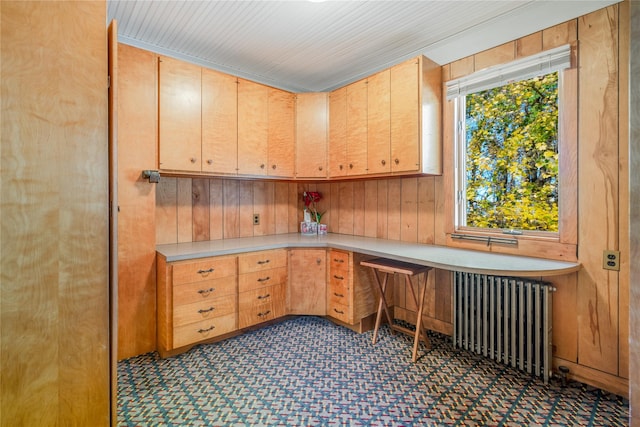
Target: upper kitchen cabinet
219,122
338,132
348,130
311,135
281,134
379,123
180,117
416,98
357,128
253,128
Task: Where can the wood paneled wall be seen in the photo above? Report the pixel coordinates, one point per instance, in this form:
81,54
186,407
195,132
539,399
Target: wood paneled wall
196,209
631,35
54,268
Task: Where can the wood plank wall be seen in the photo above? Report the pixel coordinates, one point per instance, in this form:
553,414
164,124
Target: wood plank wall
632,36
54,310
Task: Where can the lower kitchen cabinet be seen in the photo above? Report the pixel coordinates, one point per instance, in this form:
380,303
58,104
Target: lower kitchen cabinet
307,282
196,300
262,278
351,290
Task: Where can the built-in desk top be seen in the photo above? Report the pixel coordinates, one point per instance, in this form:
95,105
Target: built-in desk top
430,255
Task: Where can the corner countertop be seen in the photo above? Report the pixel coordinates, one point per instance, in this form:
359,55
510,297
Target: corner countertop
442,257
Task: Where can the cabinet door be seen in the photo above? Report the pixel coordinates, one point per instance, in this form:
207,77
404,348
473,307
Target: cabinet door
311,135
253,119
306,293
281,145
219,122
357,128
379,122
179,115
405,116
338,132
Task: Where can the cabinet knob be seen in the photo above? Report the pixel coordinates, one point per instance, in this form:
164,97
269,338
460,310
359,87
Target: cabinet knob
210,162
318,261
350,165
397,161
340,167
273,167
384,162
193,160
319,168
262,166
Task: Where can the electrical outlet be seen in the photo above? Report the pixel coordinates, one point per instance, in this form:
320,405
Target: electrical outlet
611,260
256,219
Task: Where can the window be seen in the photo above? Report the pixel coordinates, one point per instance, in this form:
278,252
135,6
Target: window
507,157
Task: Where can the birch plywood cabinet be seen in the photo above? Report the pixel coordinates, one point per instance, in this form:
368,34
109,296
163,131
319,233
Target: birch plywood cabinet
311,135
253,131
351,293
262,282
281,135
416,97
379,123
219,123
180,115
338,133
307,282
357,128
197,301
389,123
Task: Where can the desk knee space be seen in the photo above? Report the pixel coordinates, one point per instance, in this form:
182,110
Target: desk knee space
387,268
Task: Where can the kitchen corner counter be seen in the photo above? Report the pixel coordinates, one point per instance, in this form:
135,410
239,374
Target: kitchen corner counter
429,255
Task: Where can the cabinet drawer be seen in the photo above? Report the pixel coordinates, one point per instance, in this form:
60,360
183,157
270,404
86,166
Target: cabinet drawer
205,269
339,295
201,291
260,279
260,305
203,310
338,261
263,260
194,332
339,278
339,311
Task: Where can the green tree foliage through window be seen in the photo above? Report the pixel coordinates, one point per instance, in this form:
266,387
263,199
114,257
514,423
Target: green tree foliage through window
512,156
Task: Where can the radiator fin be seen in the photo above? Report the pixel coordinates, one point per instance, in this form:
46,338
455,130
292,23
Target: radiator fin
506,319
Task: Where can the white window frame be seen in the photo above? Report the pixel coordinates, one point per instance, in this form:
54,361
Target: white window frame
546,62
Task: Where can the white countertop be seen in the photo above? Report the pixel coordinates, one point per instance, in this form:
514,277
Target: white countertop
430,255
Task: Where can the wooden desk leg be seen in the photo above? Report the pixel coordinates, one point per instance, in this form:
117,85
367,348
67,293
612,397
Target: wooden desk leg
382,303
420,330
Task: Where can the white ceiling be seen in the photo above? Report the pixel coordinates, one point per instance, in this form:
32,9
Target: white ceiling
305,46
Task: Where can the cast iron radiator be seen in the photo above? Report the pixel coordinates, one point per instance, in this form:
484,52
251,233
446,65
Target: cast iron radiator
507,319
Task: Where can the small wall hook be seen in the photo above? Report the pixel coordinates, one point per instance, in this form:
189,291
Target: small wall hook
151,175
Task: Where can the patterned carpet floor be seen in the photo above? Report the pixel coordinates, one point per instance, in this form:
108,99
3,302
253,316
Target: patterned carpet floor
306,371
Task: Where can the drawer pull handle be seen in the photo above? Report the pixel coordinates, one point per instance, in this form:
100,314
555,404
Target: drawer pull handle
264,279
264,296
210,328
205,292
205,271
338,260
338,311
264,314
208,310
338,295
263,262
338,277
